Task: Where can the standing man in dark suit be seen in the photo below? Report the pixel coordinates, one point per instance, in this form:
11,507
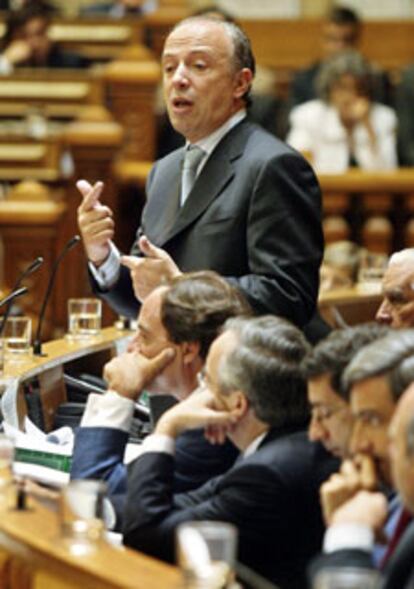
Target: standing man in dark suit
253,389
251,210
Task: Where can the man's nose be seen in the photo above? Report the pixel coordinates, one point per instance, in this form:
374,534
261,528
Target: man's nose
180,77
359,443
316,431
383,314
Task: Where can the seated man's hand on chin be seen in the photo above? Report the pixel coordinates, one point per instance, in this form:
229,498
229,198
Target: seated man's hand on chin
199,410
129,373
365,508
354,475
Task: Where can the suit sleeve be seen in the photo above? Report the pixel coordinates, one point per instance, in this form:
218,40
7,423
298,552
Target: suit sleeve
153,512
98,454
284,240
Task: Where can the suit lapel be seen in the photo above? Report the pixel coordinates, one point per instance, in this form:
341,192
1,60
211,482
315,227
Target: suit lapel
214,177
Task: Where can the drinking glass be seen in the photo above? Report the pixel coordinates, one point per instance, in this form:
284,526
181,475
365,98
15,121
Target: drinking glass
347,578
17,335
206,553
81,512
84,317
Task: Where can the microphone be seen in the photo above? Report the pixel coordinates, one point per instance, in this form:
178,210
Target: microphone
37,344
31,268
7,301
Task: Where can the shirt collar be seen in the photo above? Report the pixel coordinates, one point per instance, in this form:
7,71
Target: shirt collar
253,446
208,143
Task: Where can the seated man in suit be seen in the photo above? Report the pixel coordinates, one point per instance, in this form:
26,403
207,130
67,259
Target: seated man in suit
186,315
366,511
120,8
26,42
331,418
253,390
397,307
376,378
236,200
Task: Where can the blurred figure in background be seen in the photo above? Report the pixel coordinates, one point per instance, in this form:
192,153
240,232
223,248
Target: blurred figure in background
397,307
26,42
120,8
340,32
345,127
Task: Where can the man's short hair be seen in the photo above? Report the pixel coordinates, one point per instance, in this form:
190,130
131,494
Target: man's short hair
266,366
341,15
243,56
391,356
332,355
347,62
196,306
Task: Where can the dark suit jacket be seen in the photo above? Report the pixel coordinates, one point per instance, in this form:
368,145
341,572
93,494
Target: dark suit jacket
397,574
99,451
253,216
271,496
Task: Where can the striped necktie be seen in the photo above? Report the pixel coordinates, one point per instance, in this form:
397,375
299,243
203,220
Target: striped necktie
192,158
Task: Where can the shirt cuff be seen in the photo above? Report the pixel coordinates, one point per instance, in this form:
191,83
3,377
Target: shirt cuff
108,272
158,443
348,536
108,410
6,67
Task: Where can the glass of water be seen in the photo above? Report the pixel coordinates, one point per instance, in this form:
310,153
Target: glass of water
347,578
17,335
84,318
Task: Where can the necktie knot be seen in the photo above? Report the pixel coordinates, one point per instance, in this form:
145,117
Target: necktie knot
192,158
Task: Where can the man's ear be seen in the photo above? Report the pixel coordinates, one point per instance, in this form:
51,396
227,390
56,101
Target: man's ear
190,351
239,403
244,80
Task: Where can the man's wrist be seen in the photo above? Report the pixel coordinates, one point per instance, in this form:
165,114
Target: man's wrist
167,426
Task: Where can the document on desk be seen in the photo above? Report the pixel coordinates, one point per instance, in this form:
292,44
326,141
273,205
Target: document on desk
45,458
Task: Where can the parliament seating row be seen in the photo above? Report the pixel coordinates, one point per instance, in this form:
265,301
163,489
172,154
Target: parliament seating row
31,551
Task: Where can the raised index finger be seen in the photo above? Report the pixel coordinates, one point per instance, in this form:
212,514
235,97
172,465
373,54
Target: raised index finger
90,194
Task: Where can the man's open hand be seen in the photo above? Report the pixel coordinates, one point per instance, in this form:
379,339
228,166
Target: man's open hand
149,272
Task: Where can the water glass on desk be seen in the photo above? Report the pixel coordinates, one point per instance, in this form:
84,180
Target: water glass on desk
206,553
347,578
84,317
81,515
17,335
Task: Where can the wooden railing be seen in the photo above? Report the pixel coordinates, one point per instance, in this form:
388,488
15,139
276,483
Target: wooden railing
374,209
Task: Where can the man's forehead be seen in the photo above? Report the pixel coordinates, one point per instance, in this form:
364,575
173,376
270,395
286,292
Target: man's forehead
222,345
320,389
400,274
199,36
372,394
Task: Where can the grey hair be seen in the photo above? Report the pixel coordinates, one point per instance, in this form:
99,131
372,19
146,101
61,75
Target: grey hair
243,56
347,62
266,366
391,356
